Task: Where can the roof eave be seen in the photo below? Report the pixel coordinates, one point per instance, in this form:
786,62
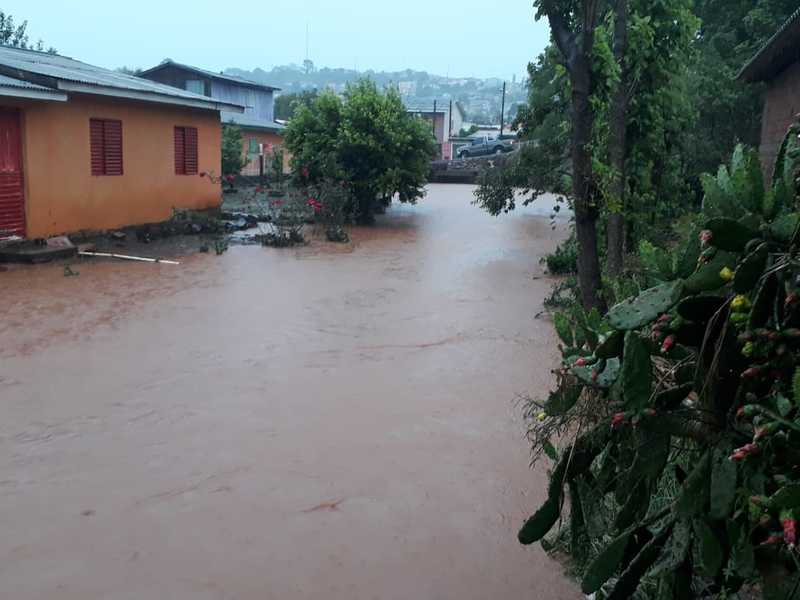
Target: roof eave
209,74
267,128
31,94
85,88
760,67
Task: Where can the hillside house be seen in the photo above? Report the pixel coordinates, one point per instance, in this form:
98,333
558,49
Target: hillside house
446,121
260,132
777,65
85,148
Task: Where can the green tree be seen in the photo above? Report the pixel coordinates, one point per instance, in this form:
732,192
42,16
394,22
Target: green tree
16,35
286,104
233,160
640,116
366,139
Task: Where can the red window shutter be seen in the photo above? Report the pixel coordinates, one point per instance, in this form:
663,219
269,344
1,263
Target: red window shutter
97,146
191,151
180,153
105,141
113,147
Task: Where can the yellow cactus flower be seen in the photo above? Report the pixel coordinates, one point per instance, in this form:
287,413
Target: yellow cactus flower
726,274
541,417
740,303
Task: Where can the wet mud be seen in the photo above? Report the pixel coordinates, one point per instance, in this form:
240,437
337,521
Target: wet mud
333,422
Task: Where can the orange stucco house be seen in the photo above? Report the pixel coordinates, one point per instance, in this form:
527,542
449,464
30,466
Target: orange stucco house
85,148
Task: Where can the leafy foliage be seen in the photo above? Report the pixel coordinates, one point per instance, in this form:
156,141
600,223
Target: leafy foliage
366,139
16,35
564,260
286,105
233,160
726,111
694,435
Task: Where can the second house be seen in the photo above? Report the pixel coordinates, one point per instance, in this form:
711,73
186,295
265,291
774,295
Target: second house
260,132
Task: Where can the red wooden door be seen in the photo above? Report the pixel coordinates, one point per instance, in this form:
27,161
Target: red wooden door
12,188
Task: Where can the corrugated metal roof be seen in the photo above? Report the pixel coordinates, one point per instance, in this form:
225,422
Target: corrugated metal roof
776,54
18,88
250,122
48,70
19,83
212,75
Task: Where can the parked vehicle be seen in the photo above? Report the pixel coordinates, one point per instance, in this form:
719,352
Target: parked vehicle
483,146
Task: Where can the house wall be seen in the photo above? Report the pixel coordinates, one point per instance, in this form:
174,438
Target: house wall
61,194
263,137
781,104
458,122
257,103
176,77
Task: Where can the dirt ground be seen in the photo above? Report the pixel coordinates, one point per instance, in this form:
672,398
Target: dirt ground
332,422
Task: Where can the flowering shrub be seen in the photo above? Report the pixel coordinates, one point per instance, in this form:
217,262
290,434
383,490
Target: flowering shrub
225,180
685,473
287,219
333,209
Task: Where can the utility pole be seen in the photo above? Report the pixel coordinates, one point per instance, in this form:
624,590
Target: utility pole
450,114
503,110
433,120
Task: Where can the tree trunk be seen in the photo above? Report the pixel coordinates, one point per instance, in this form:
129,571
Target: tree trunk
586,209
617,149
576,47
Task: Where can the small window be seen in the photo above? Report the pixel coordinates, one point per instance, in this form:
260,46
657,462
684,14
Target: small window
196,86
105,137
186,151
254,146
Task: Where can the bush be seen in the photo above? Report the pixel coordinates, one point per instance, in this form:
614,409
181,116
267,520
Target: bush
367,139
564,260
287,218
233,160
684,477
333,208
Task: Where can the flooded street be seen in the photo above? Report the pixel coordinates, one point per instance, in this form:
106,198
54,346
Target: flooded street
333,422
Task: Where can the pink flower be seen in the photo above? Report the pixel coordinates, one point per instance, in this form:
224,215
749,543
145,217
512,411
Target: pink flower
751,373
617,420
706,236
742,453
790,532
581,362
230,178
772,540
668,344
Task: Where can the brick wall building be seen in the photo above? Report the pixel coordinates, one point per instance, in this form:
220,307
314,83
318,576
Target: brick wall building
777,65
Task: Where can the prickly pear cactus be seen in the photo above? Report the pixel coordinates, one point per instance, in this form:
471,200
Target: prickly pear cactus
644,308
693,390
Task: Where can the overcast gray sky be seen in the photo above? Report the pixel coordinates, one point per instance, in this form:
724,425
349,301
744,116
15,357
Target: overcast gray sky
462,37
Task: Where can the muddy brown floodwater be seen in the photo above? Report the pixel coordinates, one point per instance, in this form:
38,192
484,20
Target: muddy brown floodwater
330,422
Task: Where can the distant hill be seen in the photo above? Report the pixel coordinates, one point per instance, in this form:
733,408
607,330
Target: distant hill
480,97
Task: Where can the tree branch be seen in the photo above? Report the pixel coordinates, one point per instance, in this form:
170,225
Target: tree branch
564,38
